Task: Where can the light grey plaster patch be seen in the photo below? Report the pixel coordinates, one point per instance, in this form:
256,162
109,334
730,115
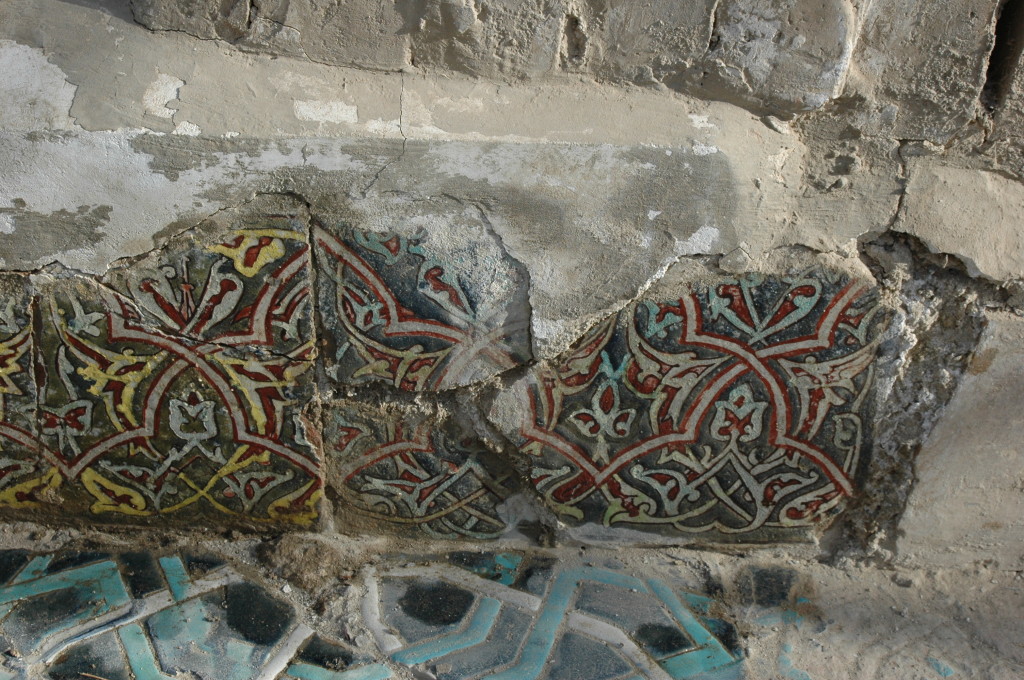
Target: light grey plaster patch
34,92
972,214
95,169
576,216
967,504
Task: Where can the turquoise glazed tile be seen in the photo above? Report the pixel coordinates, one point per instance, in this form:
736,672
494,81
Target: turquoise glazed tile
143,616
512,615
138,616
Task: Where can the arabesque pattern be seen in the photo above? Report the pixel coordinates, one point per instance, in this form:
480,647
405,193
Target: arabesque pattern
404,312
22,473
194,381
415,471
744,405
178,387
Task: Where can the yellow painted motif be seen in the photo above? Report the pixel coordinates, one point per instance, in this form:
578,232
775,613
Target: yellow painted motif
48,481
248,386
112,497
255,249
234,464
283,509
11,351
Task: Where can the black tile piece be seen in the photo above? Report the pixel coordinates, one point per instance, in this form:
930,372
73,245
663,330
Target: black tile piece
141,573
662,640
97,658
75,559
320,652
436,603
198,565
255,615
11,562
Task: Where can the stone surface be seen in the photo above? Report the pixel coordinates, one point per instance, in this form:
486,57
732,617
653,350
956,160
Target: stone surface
368,34
743,407
924,64
940,200
788,55
782,56
968,500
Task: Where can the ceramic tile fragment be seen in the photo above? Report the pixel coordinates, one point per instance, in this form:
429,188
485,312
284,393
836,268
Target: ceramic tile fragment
422,309
24,473
144,616
239,279
178,389
416,472
741,408
515,615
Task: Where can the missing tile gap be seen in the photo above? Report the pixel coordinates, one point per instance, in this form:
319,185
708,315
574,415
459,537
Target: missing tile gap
1005,56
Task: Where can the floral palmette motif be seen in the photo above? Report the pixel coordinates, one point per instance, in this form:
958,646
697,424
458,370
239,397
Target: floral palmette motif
413,473
23,477
398,312
160,398
742,406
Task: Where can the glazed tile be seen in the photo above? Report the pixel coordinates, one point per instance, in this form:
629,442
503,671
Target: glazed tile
494,615
741,409
420,309
139,616
413,471
178,389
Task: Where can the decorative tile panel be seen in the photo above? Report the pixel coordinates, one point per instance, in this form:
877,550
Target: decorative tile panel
148,617
182,391
511,615
743,406
424,311
416,471
24,475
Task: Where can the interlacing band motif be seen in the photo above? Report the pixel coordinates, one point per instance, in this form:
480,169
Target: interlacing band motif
741,405
181,381
418,474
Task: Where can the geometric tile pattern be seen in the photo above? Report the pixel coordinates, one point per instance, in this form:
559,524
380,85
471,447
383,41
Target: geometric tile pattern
176,387
414,471
517,617
135,615
419,313
744,405
147,616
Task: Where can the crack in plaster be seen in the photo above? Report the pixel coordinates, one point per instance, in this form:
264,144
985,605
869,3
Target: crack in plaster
405,142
